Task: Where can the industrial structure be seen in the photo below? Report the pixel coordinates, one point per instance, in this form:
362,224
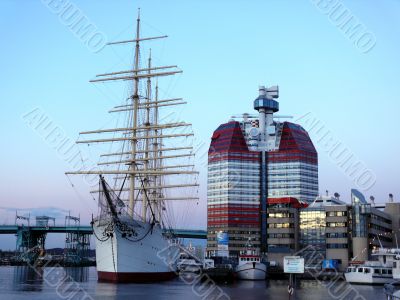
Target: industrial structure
250,162
30,245
77,244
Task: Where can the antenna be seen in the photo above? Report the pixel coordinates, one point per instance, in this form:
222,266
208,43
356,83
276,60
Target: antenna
391,198
379,240
372,198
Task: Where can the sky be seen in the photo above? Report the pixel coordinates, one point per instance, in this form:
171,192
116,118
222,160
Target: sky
226,49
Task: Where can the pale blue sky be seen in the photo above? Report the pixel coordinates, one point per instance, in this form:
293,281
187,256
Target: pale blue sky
226,49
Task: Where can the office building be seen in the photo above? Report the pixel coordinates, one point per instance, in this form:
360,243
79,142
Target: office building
251,162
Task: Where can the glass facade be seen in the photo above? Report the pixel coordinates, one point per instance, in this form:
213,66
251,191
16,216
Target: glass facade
233,180
313,230
361,210
293,179
370,223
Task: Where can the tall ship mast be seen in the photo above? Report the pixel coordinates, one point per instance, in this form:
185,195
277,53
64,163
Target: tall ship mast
134,238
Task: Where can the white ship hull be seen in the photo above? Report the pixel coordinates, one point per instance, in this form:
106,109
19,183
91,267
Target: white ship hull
252,271
149,258
367,278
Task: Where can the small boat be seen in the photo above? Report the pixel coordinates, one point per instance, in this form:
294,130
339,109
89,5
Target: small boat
188,262
250,266
368,274
374,272
189,266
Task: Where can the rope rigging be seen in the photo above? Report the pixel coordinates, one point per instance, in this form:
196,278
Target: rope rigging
115,224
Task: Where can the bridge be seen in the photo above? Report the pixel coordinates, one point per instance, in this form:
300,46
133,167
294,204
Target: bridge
13,229
31,239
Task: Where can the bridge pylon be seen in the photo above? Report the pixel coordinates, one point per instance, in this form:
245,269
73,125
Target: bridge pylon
77,244
30,244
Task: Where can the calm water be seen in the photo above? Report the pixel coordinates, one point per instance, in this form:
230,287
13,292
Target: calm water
81,283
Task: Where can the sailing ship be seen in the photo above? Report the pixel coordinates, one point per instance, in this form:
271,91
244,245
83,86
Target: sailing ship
134,240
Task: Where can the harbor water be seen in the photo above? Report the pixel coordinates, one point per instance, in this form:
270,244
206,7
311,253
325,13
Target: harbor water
81,283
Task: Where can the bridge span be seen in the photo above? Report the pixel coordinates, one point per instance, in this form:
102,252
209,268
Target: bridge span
30,239
13,229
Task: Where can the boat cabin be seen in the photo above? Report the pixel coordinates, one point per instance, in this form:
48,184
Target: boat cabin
248,258
375,271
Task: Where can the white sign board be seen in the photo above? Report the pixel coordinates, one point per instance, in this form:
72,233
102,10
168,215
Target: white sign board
293,264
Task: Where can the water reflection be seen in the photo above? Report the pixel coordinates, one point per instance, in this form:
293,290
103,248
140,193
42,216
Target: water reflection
77,283
66,283
107,290
77,274
28,279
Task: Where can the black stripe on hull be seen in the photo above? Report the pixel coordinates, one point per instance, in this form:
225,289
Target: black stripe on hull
127,277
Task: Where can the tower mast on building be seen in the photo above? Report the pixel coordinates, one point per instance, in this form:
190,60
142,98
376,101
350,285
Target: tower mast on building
266,107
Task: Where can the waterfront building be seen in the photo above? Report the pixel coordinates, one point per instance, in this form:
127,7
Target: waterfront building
263,185
393,210
341,232
251,162
283,224
371,227
233,192
324,231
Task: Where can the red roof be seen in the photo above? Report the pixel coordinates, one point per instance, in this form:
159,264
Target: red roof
295,145
228,143
294,202
228,138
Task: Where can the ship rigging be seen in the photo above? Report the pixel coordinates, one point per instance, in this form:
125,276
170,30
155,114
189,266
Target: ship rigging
135,208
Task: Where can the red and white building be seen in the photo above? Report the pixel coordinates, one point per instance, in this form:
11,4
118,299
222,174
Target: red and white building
249,162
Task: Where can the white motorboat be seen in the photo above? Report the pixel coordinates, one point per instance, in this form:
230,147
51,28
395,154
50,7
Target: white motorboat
368,274
375,272
250,266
